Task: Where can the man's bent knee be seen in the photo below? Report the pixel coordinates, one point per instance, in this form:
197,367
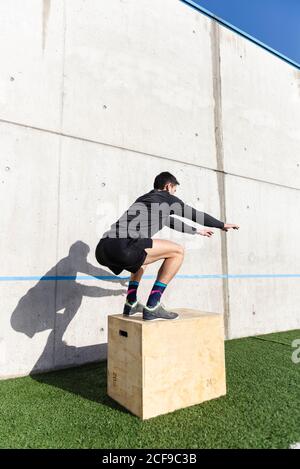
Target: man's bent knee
180,249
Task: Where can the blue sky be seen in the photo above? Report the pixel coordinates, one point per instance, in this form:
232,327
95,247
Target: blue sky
275,23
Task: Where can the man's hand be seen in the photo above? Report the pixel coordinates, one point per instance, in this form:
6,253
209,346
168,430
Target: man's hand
205,232
228,226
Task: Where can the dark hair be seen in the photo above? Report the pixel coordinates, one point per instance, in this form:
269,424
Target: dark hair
164,178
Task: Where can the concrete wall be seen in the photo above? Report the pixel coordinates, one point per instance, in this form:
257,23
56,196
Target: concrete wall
96,98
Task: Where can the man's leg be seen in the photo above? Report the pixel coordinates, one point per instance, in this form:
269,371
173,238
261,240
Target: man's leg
134,284
136,277
173,255
171,252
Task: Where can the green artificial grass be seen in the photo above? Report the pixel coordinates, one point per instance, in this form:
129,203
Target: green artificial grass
70,408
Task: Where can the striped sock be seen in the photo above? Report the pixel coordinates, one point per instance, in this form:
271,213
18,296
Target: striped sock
156,293
131,292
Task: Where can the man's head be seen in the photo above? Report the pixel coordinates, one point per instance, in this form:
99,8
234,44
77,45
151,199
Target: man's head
166,181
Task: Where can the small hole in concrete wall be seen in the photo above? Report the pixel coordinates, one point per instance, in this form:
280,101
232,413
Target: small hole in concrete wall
7,168
245,148
12,79
104,106
196,135
103,184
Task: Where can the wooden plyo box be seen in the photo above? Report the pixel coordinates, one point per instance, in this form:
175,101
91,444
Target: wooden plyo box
156,367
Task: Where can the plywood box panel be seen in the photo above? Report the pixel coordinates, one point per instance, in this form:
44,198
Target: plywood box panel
156,367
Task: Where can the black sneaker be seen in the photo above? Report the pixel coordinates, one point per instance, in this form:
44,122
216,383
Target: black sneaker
132,309
158,312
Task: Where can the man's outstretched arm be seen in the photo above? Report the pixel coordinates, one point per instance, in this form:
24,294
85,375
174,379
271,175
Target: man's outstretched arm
180,226
178,207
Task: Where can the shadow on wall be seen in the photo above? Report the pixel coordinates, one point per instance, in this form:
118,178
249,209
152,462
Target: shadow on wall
52,304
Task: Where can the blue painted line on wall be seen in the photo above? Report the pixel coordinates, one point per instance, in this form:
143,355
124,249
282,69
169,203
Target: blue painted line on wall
112,277
240,32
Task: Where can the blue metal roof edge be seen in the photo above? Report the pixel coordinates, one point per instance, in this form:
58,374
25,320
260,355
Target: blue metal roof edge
240,32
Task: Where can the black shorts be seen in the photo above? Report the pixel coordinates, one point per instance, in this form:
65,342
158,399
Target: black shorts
122,253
